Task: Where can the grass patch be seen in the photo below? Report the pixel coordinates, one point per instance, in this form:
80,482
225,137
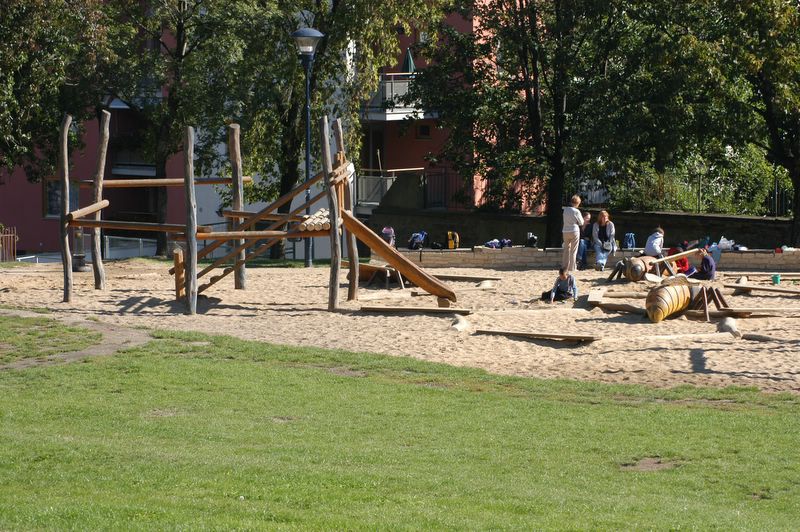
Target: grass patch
39,337
37,310
195,431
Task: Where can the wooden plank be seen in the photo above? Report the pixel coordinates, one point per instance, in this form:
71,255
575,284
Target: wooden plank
232,235
237,199
333,206
269,216
622,307
134,226
541,336
626,295
749,287
163,182
97,195
409,270
459,277
63,172
190,261
596,296
89,209
416,310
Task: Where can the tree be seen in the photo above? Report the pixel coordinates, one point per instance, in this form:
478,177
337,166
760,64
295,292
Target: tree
517,92
54,60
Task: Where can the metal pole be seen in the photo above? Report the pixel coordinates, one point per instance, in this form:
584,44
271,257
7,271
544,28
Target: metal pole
308,59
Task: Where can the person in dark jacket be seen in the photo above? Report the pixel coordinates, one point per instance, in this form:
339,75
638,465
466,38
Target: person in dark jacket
564,288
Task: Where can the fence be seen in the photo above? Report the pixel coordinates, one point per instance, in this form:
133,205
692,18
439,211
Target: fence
8,244
446,190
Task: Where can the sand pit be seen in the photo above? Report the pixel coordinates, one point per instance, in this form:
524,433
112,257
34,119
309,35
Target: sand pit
288,306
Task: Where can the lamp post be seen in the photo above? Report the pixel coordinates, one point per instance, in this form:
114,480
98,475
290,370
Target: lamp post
307,39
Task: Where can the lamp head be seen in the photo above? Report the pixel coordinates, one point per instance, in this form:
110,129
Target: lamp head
307,40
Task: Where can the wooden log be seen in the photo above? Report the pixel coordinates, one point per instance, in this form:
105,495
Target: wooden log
349,205
541,336
623,307
191,221
85,211
135,226
163,182
237,199
231,235
269,216
180,279
459,277
750,287
97,195
63,171
333,206
416,310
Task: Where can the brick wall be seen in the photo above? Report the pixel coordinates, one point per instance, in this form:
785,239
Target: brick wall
522,257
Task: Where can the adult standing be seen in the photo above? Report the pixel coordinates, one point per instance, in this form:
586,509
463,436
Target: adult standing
603,240
571,233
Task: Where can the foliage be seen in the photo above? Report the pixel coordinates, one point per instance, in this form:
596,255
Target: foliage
54,60
192,431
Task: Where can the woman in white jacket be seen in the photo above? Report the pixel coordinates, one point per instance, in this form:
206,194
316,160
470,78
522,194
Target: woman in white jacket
571,234
603,240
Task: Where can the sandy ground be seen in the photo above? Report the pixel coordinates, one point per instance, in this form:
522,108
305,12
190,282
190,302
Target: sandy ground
288,306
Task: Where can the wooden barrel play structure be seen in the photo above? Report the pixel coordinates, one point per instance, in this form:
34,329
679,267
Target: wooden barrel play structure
664,301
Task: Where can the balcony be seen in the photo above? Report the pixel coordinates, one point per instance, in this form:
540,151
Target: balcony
386,106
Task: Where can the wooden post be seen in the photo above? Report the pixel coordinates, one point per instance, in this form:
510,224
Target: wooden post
336,258
190,261
102,150
180,279
350,238
237,201
63,172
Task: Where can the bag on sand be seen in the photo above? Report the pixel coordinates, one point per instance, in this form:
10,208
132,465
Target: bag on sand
417,240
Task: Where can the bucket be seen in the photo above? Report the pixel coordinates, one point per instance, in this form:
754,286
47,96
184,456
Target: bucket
776,279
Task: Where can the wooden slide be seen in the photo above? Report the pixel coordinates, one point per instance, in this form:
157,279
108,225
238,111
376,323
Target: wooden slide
413,272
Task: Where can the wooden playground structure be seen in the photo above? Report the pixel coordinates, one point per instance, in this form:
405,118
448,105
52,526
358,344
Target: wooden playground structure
337,222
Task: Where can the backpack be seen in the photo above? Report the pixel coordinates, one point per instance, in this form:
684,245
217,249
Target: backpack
629,241
417,240
453,240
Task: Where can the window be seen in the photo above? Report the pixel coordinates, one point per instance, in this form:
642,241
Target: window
423,131
52,197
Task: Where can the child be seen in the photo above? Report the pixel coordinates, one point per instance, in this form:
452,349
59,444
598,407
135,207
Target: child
563,288
708,267
655,243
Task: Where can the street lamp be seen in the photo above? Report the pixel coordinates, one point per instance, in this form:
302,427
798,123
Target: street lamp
307,39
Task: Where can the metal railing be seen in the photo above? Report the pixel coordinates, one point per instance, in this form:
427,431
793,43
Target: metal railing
393,87
8,244
446,190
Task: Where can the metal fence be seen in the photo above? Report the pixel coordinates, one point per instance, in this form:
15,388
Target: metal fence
8,244
446,190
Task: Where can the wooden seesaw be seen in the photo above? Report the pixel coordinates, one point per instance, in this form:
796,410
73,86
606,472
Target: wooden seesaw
637,268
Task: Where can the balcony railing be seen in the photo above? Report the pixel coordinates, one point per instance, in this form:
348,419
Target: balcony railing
387,103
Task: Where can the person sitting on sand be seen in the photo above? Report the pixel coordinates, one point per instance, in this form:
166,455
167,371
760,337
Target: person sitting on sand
708,267
682,264
564,288
655,244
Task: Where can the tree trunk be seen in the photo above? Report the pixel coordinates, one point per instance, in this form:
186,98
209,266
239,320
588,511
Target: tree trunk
289,165
795,236
161,206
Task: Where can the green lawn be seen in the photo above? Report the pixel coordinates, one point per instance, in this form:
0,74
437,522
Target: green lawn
38,337
210,432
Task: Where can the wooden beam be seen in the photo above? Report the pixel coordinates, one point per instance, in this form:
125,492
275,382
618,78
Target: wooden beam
97,195
349,205
333,207
162,182
541,336
89,209
63,172
237,199
623,307
269,216
190,261
416,310
749,287
180,280
135,226
459,277
596,296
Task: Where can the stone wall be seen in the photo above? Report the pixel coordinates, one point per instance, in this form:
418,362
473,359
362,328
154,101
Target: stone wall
517,257
475,228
